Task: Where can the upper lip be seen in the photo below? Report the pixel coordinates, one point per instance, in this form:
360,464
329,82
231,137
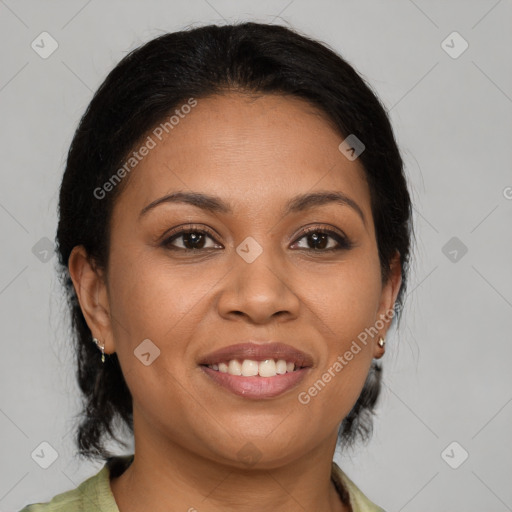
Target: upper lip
259,352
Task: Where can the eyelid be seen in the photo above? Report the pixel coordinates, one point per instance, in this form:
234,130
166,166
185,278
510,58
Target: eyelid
185,228
327,228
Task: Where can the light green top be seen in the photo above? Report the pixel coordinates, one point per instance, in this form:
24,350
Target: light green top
95,495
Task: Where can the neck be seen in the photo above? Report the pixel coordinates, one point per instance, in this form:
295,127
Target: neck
173,478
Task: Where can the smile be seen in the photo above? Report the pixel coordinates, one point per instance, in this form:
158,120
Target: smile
257,370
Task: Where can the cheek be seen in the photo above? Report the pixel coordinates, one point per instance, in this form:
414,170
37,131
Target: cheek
345,298
345,311
348,310
354,304
333,394
150,294
154,299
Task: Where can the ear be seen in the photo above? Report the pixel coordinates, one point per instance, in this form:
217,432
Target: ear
388,297
91,290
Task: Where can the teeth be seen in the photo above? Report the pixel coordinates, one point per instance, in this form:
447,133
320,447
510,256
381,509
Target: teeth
281,367
234,367
251,368
267,368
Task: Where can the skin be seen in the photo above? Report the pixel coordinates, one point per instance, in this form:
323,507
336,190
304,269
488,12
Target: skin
255,154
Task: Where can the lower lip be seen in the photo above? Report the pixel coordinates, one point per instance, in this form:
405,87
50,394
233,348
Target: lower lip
257,387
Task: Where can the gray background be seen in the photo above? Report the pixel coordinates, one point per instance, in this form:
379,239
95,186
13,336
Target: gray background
447,370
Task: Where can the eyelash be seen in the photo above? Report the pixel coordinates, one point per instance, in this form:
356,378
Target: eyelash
343,242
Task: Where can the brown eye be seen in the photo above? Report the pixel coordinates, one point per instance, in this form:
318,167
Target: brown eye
318,240
191,240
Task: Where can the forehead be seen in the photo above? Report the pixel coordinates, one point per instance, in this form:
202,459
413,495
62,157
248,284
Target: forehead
255,151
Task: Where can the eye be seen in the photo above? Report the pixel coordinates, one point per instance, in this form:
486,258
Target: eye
318,238
191,239
315,239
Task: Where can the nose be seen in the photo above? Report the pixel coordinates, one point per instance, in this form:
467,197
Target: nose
260,291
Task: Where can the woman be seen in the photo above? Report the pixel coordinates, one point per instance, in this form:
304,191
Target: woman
234,234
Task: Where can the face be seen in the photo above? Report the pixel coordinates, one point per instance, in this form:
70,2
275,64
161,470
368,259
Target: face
256,265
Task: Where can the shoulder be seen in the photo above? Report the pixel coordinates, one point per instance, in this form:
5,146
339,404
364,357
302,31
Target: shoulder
92,494
358,501
73,500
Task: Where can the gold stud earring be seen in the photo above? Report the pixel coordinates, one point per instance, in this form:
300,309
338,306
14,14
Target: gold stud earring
101,347
381,342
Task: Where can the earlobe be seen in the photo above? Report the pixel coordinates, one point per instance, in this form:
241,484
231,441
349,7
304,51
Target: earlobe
91,291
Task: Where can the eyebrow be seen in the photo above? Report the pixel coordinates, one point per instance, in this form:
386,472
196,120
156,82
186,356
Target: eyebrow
296,204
